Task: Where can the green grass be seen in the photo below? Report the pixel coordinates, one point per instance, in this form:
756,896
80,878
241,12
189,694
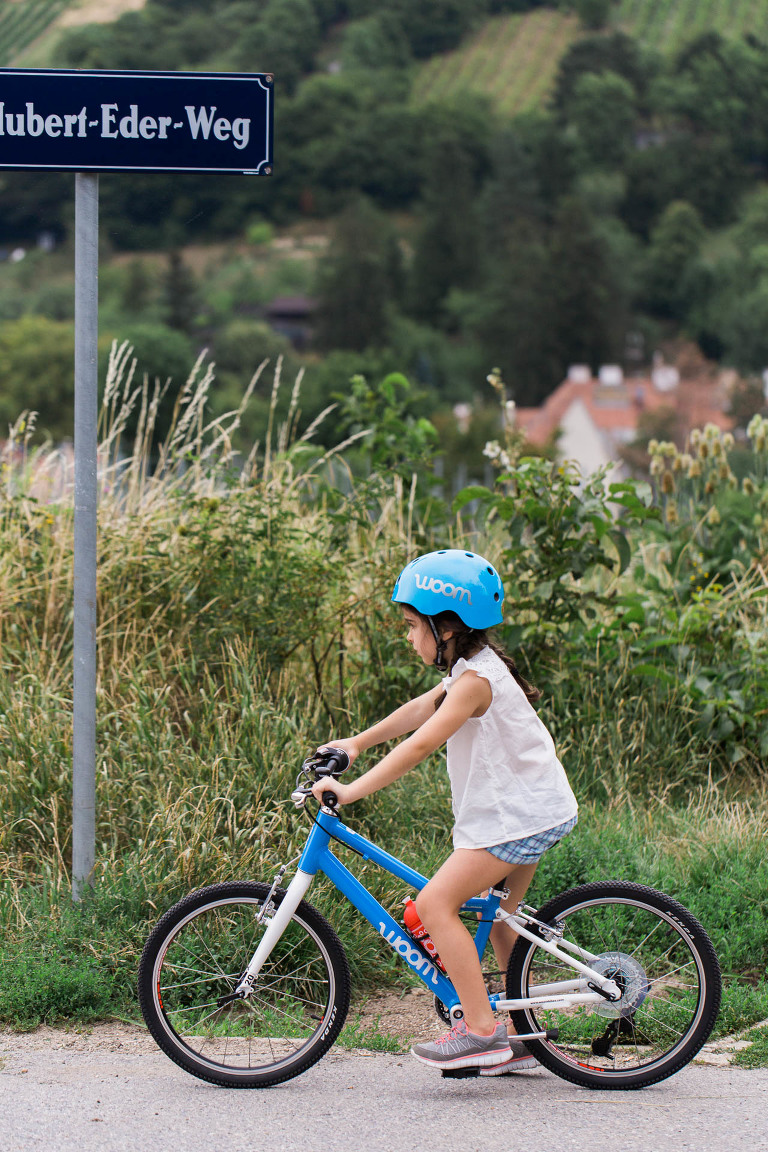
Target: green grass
359,1035
757,1055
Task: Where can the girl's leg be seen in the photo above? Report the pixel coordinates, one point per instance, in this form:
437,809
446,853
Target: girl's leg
502,936
464,874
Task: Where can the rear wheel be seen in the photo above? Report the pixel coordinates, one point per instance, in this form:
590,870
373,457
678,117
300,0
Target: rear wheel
192,963
661,958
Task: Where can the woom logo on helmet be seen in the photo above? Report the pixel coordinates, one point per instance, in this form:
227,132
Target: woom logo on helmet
432,584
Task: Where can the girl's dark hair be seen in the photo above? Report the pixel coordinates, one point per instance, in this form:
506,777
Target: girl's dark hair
469,641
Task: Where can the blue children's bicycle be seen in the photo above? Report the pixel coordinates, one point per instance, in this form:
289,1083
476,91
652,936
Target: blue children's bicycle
610,985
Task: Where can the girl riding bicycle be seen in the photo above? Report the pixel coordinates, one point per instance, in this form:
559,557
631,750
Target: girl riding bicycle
511,798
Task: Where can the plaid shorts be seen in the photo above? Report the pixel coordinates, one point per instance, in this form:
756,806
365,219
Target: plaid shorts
530,849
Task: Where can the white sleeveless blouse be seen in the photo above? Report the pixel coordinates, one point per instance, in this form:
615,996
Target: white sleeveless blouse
506,779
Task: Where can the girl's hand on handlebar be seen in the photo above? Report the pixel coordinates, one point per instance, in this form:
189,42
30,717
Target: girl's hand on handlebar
327,784
349,745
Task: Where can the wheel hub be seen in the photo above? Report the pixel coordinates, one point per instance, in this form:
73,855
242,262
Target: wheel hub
631,979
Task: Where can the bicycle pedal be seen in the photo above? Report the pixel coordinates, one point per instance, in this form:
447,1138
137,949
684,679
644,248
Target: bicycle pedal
459,1073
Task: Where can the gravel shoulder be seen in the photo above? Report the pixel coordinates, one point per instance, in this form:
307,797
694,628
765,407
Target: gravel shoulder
406,1016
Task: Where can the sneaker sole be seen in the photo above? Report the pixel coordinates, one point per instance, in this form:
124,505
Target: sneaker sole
518,1065
477,1060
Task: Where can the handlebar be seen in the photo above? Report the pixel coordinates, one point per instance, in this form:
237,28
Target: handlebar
331,762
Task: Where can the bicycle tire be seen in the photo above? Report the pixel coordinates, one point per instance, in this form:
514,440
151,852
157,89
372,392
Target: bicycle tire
665,964
195,957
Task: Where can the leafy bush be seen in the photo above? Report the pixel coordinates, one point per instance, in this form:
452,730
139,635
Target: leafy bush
665,586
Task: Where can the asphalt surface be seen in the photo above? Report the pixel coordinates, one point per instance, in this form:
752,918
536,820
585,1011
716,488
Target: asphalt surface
74,1101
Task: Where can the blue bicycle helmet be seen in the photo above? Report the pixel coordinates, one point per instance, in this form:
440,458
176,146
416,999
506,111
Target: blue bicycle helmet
454,580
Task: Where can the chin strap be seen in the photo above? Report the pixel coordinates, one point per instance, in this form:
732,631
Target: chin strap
439,660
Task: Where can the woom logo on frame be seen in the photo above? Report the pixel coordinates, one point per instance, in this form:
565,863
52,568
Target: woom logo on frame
433,584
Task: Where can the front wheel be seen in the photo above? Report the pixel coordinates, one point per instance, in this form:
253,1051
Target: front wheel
192,963
664,963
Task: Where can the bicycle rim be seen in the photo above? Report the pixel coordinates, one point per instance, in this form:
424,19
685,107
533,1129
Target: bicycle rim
663,961
193,963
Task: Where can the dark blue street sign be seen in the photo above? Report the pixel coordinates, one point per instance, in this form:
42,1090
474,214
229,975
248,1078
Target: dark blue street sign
136,121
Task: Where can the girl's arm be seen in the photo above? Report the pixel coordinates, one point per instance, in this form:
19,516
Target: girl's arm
404,719
469,696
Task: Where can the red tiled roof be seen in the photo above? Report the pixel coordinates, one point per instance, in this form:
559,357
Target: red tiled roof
617,408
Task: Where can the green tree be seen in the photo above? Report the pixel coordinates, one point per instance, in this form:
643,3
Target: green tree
240,347
37,373
717,87
436,25
180,294
509,316
672,260
34,202
734,318
163,354
378,41
446,250
603,113
589,307
358,281
283,41
617,53
593,13
744,329
353,132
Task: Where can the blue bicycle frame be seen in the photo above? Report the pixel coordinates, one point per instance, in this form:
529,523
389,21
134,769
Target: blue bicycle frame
318,857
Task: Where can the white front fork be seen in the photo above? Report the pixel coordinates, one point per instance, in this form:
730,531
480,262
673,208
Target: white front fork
294,894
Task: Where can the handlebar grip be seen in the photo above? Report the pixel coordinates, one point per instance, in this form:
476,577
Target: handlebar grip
337,760
329,799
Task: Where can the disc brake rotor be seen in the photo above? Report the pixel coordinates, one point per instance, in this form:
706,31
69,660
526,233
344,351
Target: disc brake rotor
630,977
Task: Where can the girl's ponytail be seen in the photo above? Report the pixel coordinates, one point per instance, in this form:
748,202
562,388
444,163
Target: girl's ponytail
532,693
469,641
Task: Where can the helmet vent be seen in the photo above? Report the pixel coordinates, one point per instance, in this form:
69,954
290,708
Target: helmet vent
495,595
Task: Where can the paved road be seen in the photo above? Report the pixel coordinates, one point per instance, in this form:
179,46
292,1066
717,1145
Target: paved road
62,1100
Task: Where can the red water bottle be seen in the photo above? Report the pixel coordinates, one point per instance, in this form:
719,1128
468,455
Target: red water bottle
418,932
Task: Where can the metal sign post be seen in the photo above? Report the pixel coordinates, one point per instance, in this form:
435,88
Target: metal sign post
86,504
90,122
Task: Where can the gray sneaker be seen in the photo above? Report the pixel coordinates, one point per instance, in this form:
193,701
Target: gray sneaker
461,1048
521,1059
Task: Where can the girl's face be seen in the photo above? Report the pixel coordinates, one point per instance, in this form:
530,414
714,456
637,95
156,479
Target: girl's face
419,636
